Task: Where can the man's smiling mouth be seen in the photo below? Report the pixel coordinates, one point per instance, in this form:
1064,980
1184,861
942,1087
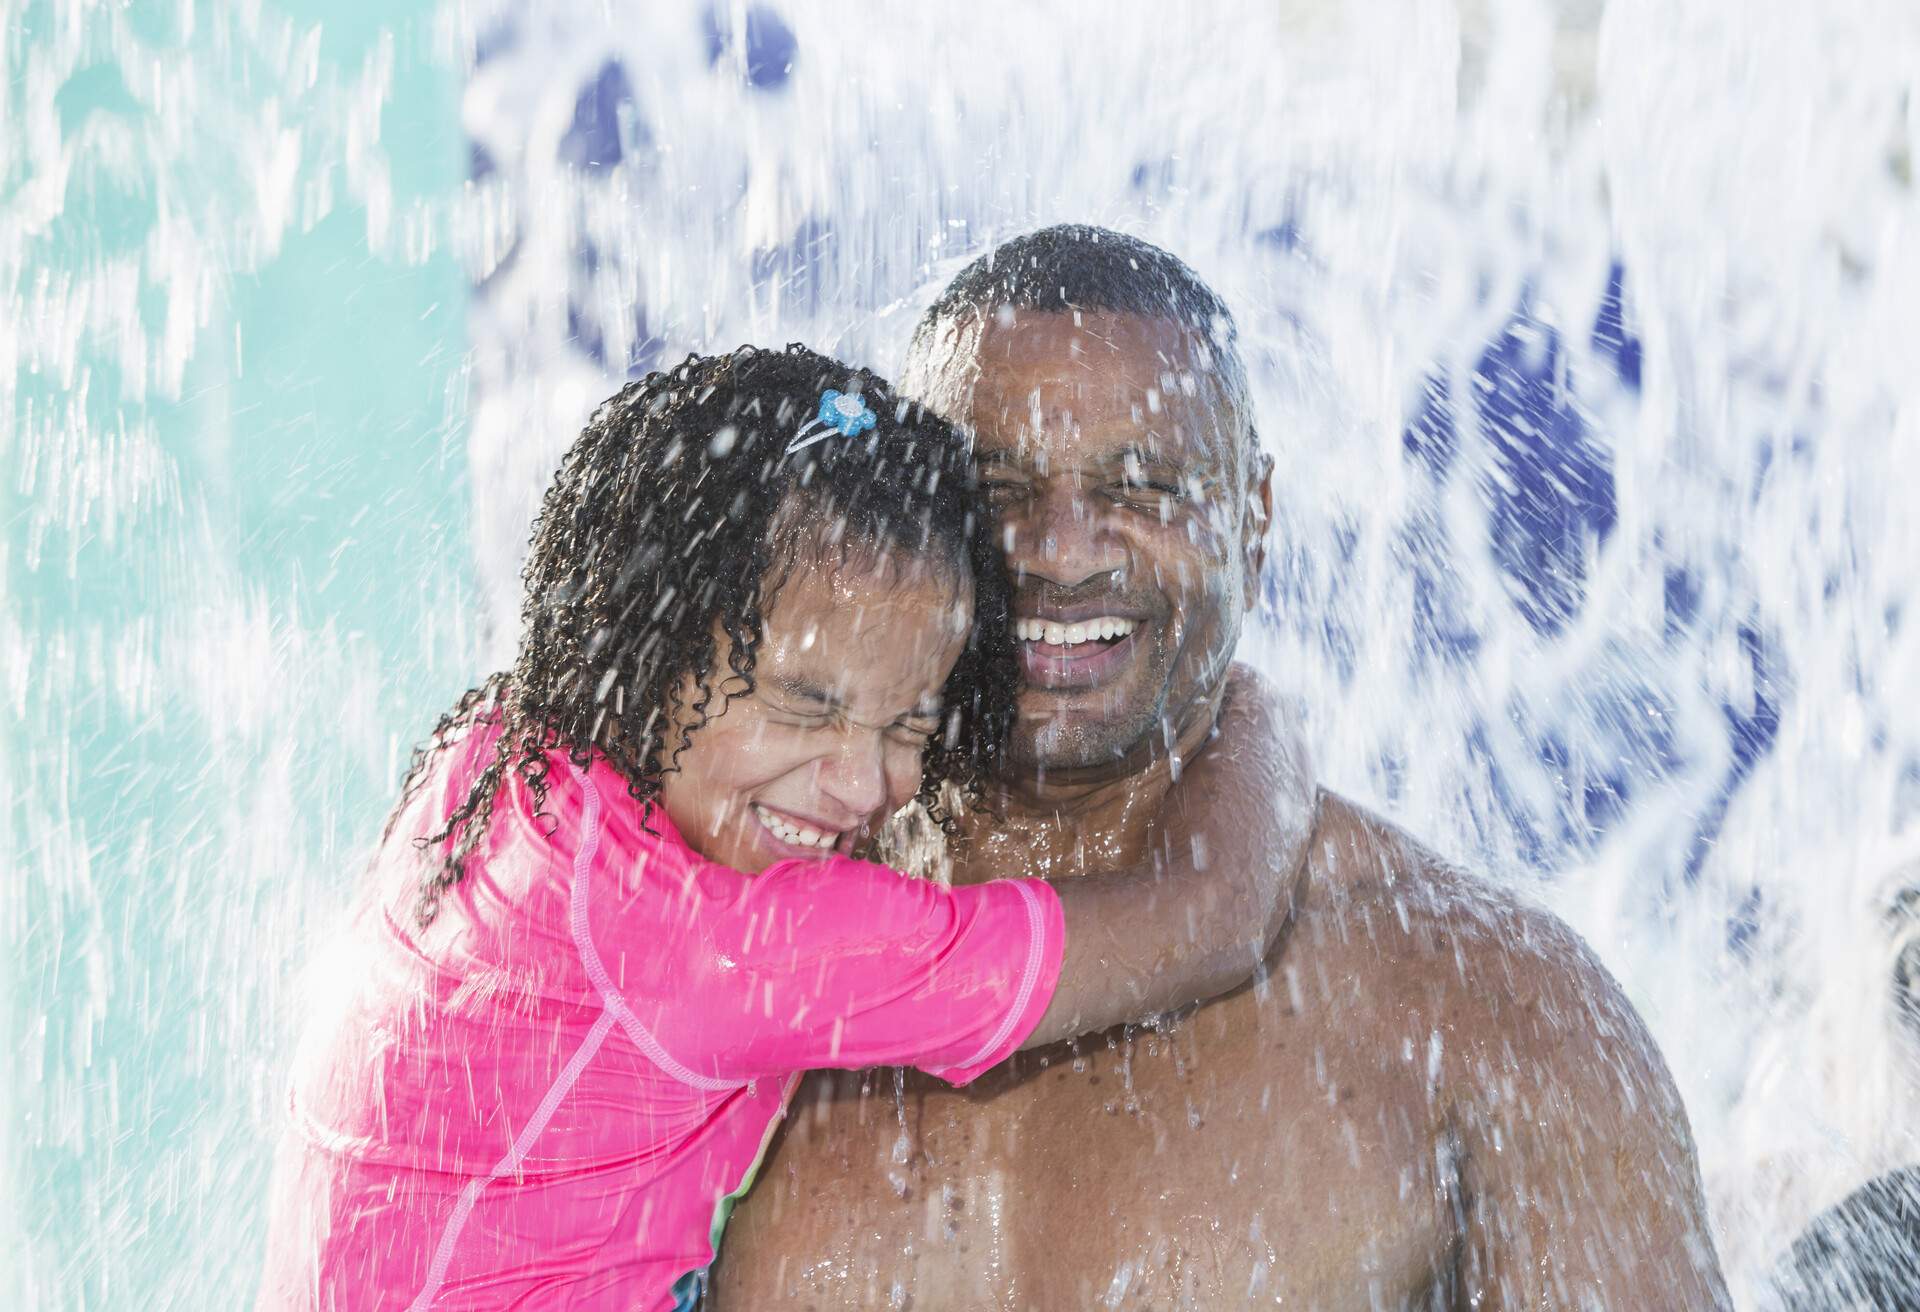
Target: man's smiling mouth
1084,653
1050,633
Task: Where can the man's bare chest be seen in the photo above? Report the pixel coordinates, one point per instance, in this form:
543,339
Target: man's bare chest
1221,1162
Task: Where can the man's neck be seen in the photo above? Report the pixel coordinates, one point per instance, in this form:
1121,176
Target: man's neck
1064,824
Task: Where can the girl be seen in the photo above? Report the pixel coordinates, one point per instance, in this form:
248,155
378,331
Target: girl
618,907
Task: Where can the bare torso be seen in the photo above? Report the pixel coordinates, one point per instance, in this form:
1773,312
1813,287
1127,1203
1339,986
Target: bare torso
1432,1087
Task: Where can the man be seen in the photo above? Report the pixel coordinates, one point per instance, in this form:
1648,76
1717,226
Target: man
1435,1098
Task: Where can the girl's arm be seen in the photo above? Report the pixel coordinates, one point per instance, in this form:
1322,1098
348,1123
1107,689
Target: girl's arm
1197,920
849,964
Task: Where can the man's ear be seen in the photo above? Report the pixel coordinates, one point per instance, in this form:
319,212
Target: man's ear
1259,522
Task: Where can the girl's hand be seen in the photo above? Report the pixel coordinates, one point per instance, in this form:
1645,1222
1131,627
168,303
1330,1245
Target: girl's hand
1197,920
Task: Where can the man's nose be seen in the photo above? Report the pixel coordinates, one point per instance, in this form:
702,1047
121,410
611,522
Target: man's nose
854,776
1061,536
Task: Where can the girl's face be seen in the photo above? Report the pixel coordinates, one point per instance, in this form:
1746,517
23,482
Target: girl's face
846,695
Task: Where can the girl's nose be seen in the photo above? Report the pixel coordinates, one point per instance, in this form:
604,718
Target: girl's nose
855,776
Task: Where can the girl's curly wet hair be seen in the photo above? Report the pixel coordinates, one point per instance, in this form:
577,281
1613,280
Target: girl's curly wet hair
678,512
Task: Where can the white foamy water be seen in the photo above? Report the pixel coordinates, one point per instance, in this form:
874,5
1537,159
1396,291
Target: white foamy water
1646,649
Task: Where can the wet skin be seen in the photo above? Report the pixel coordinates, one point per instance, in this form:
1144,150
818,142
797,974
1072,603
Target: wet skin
813,758
1435,1098
1125,488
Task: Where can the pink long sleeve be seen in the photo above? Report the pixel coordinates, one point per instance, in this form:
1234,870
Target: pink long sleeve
832,962
550,1092
847,964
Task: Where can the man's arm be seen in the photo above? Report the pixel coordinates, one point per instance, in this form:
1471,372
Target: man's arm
1579,1187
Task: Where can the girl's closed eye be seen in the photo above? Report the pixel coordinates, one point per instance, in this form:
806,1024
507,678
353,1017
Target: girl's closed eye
802,714
799,701
917,730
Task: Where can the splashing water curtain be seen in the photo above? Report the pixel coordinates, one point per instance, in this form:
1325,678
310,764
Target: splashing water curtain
1581,334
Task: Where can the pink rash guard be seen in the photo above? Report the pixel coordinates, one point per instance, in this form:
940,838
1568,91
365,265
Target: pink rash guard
550,1097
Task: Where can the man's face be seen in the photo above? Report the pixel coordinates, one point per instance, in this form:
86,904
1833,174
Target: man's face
1132,525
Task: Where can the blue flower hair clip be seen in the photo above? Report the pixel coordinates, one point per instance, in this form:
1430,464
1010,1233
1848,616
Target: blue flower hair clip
845,413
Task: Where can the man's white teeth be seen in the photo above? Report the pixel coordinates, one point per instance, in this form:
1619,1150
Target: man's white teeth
1105,628
788,832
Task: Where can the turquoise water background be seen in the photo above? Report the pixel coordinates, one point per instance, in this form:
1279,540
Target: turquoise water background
232,596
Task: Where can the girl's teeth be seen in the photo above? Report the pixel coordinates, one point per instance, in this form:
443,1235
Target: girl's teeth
1105,627
795,834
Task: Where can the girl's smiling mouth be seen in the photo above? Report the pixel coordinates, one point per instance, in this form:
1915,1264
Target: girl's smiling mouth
791,831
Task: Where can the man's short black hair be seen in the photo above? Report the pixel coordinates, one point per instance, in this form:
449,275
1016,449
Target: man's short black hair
1075,266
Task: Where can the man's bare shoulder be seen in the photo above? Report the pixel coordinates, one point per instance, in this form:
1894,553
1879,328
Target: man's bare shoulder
1475,959
1483,979
1559,1106
1362,867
